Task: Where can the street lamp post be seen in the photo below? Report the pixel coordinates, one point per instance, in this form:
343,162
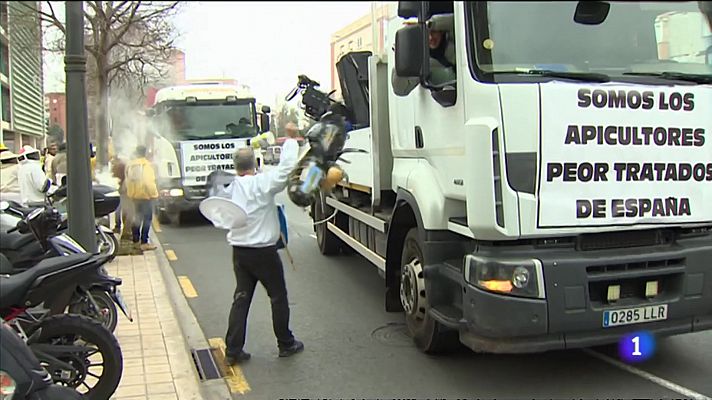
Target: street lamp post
79,185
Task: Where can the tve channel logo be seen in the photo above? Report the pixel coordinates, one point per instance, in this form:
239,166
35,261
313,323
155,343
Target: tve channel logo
636,347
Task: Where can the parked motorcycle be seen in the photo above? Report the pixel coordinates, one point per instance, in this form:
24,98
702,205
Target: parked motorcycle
38,237
24,250
317,172
77,351
22,377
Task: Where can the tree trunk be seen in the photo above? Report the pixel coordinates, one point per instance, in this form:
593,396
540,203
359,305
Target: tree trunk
102,118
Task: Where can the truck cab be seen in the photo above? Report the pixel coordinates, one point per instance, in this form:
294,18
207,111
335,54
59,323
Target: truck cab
197,129
554,192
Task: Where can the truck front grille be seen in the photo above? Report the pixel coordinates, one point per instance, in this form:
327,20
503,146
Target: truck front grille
617,240
195,192
596,270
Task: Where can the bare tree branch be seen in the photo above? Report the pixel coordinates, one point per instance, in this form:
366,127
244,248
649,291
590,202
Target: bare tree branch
49,18
130,46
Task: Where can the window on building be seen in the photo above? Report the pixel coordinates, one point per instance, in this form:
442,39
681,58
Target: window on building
4,60
6,104
3,14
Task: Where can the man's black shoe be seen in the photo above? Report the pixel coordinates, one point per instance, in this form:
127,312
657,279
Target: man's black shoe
295,348
237,358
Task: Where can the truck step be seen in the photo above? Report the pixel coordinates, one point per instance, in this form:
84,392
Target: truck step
450,316
459,220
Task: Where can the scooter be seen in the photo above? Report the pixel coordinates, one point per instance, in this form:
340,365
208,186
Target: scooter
21,375
24,252
39,231
77,351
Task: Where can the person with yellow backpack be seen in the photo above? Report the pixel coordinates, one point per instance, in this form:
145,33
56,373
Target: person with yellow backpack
141,189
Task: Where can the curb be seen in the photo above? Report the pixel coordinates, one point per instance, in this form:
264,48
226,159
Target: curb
193,335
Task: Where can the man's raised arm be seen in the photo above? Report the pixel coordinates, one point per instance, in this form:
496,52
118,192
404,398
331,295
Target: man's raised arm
277,179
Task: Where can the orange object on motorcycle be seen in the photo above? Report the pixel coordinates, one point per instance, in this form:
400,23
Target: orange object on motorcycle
333,176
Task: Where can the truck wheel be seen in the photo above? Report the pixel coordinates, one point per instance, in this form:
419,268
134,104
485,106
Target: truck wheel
329,244
428,334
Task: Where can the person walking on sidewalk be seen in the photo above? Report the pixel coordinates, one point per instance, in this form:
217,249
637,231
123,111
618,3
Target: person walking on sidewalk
47,163
254,249
141,190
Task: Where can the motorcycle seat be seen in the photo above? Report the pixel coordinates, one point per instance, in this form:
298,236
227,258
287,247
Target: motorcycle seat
14,288
25,211
16,240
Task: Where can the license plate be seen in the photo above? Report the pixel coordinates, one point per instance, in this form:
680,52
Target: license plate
122,304
636,315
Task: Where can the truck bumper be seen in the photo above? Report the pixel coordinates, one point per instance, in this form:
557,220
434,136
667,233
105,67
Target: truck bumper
576,282
177,204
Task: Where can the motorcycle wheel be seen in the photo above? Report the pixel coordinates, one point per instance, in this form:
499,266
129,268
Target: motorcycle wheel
107,243
97,373
107,314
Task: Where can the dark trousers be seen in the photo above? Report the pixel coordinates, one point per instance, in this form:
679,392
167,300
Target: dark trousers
143,215
254,265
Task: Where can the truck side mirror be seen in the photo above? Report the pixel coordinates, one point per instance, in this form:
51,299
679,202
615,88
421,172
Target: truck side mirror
264,121
591,12
408,9
409,51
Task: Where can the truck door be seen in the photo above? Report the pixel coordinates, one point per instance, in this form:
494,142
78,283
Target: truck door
438,130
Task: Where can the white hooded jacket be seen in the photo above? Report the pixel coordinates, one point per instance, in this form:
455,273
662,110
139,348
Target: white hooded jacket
33,181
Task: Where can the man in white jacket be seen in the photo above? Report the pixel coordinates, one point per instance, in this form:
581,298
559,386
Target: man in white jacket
34,184
254,255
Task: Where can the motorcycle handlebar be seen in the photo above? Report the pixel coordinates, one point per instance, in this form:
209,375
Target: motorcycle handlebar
303,82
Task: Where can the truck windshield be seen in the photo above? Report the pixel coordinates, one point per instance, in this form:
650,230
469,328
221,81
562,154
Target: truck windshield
663,40
211,121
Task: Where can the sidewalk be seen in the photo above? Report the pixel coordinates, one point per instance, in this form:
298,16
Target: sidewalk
157,361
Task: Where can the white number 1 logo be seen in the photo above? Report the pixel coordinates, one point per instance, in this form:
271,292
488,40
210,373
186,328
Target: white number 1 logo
636,342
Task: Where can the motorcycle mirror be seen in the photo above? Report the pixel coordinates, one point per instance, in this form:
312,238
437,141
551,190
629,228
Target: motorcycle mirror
34,213
4,205
292,94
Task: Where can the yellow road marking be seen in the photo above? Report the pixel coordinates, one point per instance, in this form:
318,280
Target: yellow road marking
234,377
188,289
171,255
156,225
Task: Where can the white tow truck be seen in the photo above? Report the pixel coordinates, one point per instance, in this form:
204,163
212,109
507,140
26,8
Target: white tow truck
197,129
557,193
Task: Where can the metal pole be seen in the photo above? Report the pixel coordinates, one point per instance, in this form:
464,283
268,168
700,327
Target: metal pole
80,197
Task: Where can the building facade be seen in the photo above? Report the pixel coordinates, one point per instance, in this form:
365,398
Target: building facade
56,109
358,36
21,76
174,75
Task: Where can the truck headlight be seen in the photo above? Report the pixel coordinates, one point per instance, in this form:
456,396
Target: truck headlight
524,278
175,192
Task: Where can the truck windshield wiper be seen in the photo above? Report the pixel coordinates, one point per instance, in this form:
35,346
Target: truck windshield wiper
678,76
579,76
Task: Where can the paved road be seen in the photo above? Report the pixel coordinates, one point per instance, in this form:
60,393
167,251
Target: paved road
355,349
